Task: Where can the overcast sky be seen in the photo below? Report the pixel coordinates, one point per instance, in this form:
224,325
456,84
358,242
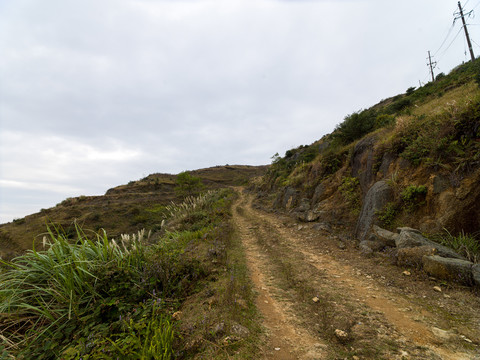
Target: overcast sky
95,93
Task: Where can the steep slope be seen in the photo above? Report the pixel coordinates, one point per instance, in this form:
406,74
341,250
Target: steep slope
422,148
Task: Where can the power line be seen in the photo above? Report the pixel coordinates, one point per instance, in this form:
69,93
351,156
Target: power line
448,47
446,37
466,30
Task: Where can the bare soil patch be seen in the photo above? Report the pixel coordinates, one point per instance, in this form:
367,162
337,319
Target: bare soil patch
323,300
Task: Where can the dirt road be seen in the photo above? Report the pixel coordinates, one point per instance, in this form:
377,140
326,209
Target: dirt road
320,299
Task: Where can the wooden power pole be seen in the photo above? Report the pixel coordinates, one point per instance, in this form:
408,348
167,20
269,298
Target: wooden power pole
466,32
431,66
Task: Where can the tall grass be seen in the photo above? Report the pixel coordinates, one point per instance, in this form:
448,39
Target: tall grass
190,204
465,244
45,289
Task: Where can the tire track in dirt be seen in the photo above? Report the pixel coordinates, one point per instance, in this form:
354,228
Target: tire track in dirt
353,283
285,339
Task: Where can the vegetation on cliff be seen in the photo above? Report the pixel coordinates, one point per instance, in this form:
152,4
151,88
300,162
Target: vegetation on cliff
425,144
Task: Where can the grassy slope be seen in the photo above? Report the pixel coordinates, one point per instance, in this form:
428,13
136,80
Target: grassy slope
181,293
123,209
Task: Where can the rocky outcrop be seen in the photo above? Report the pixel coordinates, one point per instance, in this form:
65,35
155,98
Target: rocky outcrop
476,274
449,269
377,197
413,256
413,249
410,238
362,162
287,198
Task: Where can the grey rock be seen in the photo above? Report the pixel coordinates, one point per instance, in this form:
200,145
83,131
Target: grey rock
239,330
476,274
318,194
308,216
377,197
388,237
364,247
304,205
289,198
440,184
387,159
414,256
312,216
412,238
400,229
368,246
449,269
322,227
362,162
443,334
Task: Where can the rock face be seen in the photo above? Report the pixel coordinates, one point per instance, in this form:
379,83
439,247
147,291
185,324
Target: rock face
377,197
413,256
449,269
362,162
476,274
287,199
415,250
410,238
387,237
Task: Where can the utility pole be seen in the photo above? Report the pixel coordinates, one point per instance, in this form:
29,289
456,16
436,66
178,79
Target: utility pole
466,32
431,66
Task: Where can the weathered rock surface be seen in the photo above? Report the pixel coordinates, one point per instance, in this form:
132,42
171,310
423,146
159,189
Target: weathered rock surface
362,162
476,274
414,256
368,246
287,199
377,197
387,237
410,238
449,269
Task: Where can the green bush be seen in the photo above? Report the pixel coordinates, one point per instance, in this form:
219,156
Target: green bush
188,185
355,126
350,190
413,196
387,214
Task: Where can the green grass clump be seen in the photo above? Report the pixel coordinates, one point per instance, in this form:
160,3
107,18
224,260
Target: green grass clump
46,295
413,196
464,244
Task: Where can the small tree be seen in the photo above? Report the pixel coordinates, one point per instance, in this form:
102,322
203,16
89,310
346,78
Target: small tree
188,185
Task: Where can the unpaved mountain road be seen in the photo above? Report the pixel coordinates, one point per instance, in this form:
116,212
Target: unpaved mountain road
321,301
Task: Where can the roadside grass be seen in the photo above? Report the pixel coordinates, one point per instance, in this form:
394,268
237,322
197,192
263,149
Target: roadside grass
465,244
93,297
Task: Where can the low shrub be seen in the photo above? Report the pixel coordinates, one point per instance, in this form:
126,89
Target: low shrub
413,196
464,244
387,214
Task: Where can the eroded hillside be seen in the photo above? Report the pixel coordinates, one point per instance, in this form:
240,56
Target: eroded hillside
423,145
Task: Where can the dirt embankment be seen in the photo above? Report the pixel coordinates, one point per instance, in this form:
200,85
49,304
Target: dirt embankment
320,299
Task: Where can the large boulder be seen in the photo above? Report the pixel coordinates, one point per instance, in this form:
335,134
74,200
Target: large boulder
476,274
387,237
449,269
377,197
410,238
413,256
